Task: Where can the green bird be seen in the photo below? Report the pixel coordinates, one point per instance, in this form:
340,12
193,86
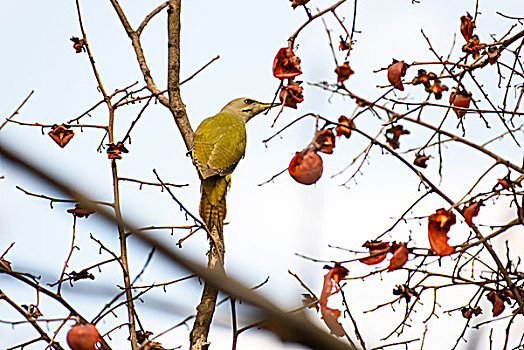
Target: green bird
219,144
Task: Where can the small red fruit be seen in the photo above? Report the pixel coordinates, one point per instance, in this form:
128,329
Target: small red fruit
306,167
83,337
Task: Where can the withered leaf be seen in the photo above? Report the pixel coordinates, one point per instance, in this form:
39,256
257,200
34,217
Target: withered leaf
424,78
400,256
405,291
393,134
497,299
472,210
291,95
469,311
377,252
396,71
345,128
80,212
466,26
343,71
421,160
324,141
296,3
438,227
310,301
61,134
437,88
82,275
115,151
78,44
286,65
329,315
460,99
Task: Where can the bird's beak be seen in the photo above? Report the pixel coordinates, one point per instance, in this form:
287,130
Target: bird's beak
269,105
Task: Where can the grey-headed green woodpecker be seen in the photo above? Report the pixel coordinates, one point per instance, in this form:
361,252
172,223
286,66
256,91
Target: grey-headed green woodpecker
219,144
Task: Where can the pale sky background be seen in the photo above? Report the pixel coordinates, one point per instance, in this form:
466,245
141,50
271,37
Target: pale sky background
267,224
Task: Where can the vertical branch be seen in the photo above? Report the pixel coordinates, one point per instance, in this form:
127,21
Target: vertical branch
234,322
122,237
116,195
206,308
176,106
68,257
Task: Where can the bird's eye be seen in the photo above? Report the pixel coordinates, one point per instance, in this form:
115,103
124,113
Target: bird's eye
248,101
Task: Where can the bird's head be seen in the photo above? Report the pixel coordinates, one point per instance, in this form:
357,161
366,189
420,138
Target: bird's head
246,108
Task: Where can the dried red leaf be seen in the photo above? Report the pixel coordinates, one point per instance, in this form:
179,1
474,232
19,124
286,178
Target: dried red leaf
506,294
497,299
115,151
405,291
324,141
338,273
466,26
424,78
345,128
470,211
80,212
493,54
395,73
291,95
436,89
329,315
507,183
142,336
61,134
306,167
395,132
343,71
400,256
473,47
310,302
421,160
78,44
377,252
343,45
509,294
32,310
467,312
286,65
460,99
296,3
438,227
82,275
83,337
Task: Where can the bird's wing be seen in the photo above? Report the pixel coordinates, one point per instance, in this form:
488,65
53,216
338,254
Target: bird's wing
219,144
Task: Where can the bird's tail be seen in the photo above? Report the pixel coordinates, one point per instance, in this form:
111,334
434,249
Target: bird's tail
213,202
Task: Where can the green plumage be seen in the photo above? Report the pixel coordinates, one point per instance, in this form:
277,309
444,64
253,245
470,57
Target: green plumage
219,144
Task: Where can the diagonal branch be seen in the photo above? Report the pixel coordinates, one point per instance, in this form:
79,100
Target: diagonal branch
290,327
174,102
150,16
